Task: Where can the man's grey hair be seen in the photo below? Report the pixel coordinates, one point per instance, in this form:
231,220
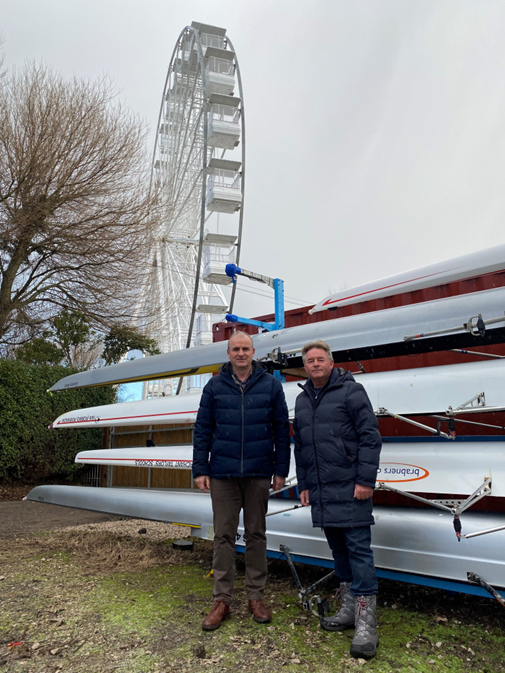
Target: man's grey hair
322,345
240,333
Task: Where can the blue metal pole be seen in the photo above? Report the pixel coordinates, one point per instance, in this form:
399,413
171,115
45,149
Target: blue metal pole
279,303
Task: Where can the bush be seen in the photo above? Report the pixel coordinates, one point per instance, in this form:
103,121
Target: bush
29,450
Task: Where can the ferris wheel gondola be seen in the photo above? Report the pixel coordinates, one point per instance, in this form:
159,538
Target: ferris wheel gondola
199,168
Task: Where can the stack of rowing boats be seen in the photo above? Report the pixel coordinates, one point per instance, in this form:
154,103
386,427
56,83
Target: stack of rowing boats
442,462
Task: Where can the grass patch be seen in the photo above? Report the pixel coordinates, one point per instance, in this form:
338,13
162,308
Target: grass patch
97,602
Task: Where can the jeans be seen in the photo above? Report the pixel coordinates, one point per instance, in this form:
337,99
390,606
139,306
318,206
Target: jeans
353,558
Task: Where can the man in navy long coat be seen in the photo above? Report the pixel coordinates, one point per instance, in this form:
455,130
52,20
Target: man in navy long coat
337,450
241,440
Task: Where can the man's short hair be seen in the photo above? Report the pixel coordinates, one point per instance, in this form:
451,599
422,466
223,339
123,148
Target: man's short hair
241,333
322,345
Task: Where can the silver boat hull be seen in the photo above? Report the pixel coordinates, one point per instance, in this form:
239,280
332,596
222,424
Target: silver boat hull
417,541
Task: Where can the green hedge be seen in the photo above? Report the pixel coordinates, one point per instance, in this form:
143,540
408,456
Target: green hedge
29,451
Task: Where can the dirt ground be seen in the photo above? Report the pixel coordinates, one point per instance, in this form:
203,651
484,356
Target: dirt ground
18,517
100,594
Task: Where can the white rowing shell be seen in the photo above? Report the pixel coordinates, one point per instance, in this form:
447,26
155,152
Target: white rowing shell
417,467
425,390
367,335
475,264
403,539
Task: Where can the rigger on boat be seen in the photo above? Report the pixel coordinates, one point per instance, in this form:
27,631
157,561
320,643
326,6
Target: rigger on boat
430,358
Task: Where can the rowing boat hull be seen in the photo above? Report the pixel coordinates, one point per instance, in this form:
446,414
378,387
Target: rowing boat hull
480,263
370,335
404,540
416,467
427,390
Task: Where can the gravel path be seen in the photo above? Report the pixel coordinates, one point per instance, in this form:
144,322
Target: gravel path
19,518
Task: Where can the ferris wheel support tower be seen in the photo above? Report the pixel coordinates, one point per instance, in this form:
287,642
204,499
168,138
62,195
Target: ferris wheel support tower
199,164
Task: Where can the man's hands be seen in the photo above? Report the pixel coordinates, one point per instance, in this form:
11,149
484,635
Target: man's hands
203,482
304,497
278,482
362,492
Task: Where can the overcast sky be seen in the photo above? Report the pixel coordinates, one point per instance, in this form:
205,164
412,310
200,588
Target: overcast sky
375,129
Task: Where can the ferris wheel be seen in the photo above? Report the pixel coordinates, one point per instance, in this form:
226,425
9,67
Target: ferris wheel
199,164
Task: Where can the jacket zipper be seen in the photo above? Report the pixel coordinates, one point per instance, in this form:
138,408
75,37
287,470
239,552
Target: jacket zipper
317,461
242,449
242,390
314,405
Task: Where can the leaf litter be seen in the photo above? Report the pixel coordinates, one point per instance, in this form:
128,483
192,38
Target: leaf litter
107,598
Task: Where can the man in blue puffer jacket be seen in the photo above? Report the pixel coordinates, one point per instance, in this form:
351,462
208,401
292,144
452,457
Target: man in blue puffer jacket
337,450
241,440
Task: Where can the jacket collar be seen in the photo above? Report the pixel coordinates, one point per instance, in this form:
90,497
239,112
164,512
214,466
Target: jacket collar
257,370
337,377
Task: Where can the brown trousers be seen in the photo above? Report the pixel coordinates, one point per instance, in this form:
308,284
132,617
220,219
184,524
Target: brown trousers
229,496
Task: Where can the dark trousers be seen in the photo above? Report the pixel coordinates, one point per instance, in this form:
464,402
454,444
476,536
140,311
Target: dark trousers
353,558
229,496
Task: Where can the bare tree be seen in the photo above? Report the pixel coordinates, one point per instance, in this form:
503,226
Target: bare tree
76,209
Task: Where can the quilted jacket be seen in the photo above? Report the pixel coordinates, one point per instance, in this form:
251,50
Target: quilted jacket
337,445
242,433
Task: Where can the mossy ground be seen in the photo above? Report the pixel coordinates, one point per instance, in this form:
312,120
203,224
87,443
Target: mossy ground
96,603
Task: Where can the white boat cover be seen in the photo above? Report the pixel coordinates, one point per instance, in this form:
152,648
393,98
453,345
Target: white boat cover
424,390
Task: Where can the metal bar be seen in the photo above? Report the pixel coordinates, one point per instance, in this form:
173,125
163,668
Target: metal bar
381,412
480,398
249,321
314,586
483,355
202,210
483,532
382,487
280,511
287,554
461,420
475,410
466,327
279,303
243,174
477,495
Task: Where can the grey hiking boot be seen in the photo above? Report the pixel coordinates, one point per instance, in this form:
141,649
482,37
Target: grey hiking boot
344,619
365,641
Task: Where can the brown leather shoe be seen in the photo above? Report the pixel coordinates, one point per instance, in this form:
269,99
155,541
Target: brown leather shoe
219,612
260,612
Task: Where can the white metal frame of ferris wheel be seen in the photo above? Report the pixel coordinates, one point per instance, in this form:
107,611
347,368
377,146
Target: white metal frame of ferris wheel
203,63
